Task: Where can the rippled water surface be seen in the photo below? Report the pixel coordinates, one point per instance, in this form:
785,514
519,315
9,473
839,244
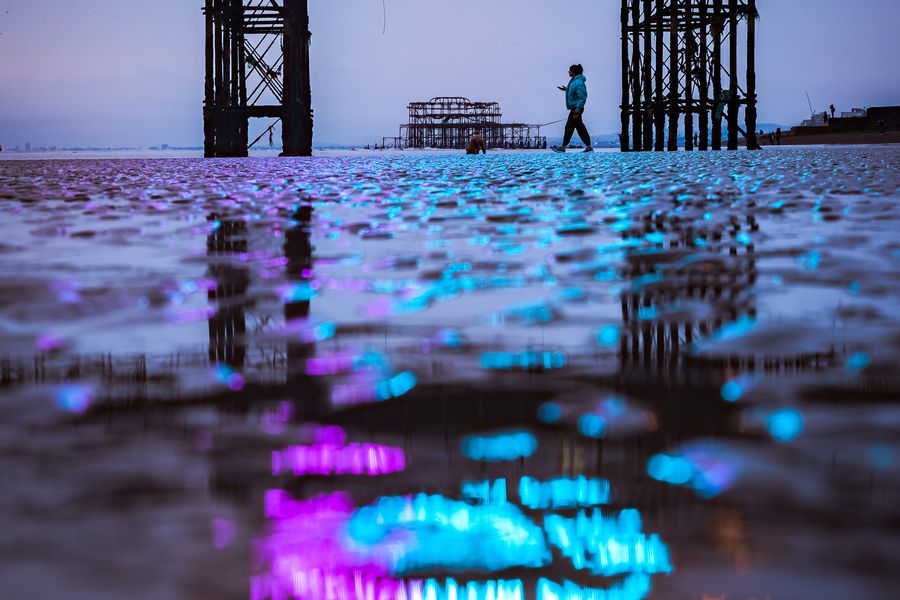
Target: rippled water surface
439,377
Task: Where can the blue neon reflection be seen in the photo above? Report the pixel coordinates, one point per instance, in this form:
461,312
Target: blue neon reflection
563,493
502,447
608,546
526,361
485,491
633,587
706,467
428,532
785,425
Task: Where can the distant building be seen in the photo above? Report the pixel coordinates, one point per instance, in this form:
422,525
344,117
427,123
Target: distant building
27,146
449,122
873,125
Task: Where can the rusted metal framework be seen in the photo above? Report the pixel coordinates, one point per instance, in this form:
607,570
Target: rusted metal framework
449,122
257,65
680,66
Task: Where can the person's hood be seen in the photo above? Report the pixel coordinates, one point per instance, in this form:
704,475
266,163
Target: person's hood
578,77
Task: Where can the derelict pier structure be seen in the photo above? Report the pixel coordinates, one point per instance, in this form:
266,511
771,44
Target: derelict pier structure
681,63
257,65
449,122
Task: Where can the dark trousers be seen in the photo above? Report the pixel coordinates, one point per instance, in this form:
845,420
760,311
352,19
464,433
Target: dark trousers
573,124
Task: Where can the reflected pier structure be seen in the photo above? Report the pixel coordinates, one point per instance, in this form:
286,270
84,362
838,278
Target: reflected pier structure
696,286
304,391
228,324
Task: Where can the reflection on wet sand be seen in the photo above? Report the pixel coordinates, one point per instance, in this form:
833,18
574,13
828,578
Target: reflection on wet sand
398,378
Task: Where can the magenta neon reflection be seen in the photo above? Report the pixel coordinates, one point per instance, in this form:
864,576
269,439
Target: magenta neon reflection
331,459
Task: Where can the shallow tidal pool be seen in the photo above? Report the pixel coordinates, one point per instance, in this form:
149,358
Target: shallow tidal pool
412,376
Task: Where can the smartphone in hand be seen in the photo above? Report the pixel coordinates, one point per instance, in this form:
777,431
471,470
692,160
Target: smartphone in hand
561,88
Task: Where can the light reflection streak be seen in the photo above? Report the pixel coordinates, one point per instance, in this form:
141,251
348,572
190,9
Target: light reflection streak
633,587
332,459
501,447
608,546
563,492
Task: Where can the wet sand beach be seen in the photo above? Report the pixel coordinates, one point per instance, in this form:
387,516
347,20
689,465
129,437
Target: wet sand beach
441,376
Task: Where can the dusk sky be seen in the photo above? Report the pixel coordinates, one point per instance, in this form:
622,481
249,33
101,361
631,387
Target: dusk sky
129,73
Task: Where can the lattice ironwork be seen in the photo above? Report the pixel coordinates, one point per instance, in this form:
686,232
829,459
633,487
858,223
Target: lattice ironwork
449,122
257,65
680,63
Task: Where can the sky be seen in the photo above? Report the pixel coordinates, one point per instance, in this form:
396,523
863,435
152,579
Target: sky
130,72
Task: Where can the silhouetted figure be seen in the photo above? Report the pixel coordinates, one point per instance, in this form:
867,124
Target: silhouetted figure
832,109
271,140
576,98
476,144
696,140
778,136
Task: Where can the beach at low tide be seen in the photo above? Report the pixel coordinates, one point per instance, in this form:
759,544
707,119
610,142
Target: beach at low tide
648,375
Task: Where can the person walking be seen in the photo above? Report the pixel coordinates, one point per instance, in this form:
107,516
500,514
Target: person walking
832,109
576,98
778,136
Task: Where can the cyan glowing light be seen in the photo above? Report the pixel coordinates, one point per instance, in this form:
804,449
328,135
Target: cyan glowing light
633,587
303,291
785,425
396,386
858,361
591,425
231,378
732,391
563,493
735,330
449,338
501,447
549,413
609,336
608,546
676,470
810,261
486,492
708,468
75,398
428,532
525,361
647,313
328,459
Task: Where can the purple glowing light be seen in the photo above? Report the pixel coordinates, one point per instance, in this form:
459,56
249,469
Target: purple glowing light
330,459
223,533
49,343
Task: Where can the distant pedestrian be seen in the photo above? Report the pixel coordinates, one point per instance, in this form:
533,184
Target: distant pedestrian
576,98
833,110
476,144
883,125
778,136
696,140
271,140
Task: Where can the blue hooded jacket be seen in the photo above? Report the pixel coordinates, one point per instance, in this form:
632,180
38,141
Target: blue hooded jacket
576,93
